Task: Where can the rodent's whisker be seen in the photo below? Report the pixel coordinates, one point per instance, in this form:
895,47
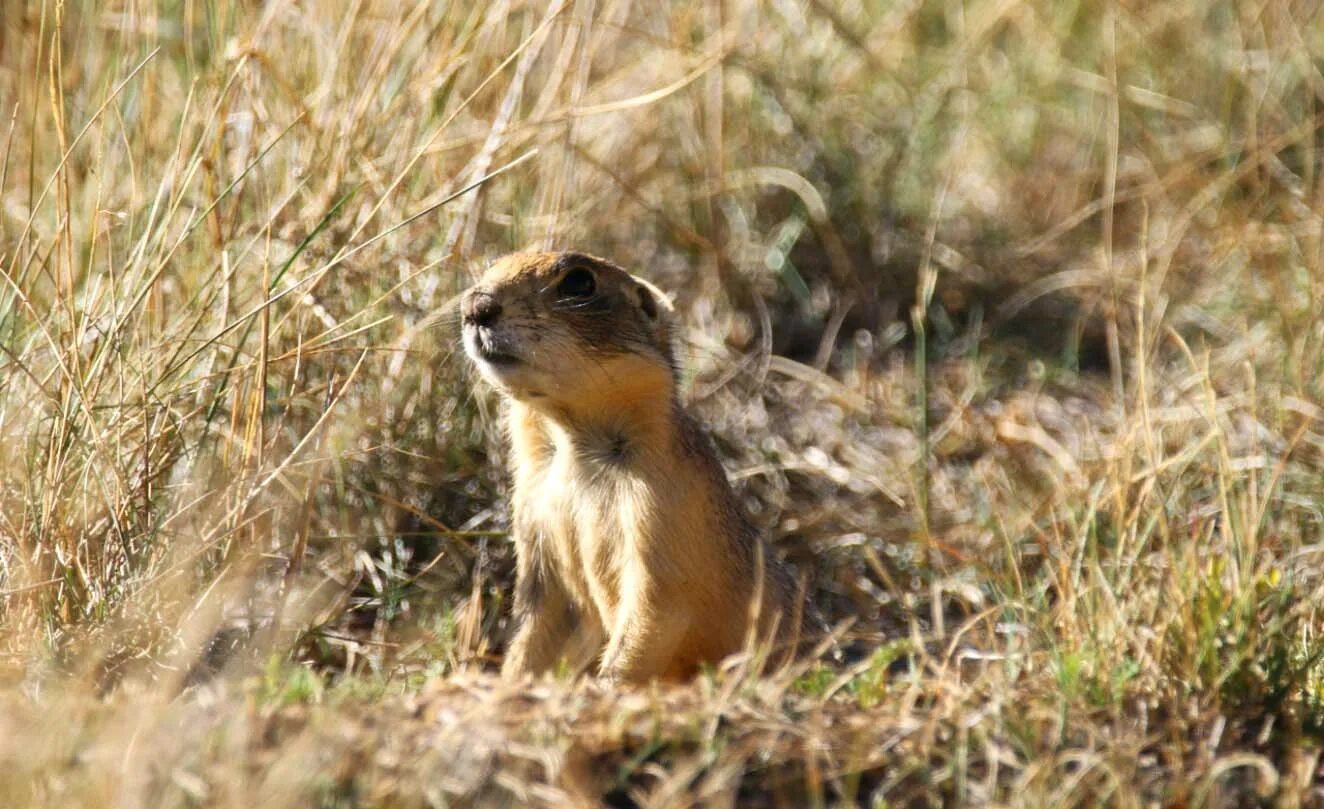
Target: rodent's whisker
444,319
451,305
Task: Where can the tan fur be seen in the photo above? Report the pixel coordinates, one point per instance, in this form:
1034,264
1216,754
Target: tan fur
633,553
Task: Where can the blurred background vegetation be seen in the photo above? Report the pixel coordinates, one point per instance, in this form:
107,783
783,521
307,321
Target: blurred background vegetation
1005,316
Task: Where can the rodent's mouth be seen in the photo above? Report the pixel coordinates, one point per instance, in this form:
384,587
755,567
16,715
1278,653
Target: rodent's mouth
483,345
493,357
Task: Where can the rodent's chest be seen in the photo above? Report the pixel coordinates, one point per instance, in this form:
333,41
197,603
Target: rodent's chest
583,500
588,522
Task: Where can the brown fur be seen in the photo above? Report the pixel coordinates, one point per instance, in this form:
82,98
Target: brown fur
633,552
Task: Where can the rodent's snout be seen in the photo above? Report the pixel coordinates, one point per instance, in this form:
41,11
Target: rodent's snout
479,308
485,339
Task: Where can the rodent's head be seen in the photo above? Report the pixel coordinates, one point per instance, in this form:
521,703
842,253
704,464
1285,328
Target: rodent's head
569,333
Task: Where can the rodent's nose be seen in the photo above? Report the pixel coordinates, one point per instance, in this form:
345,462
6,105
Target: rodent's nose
480,309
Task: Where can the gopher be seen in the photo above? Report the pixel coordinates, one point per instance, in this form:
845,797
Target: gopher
633,553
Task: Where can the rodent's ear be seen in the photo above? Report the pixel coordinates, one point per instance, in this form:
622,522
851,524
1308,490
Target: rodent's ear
653,301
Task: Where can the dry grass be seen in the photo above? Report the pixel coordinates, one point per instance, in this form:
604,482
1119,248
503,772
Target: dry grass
1006,317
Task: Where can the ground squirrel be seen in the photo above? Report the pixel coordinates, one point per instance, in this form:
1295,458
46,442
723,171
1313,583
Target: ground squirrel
633,553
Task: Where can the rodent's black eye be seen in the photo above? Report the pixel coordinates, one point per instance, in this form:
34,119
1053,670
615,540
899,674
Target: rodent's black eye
578,283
